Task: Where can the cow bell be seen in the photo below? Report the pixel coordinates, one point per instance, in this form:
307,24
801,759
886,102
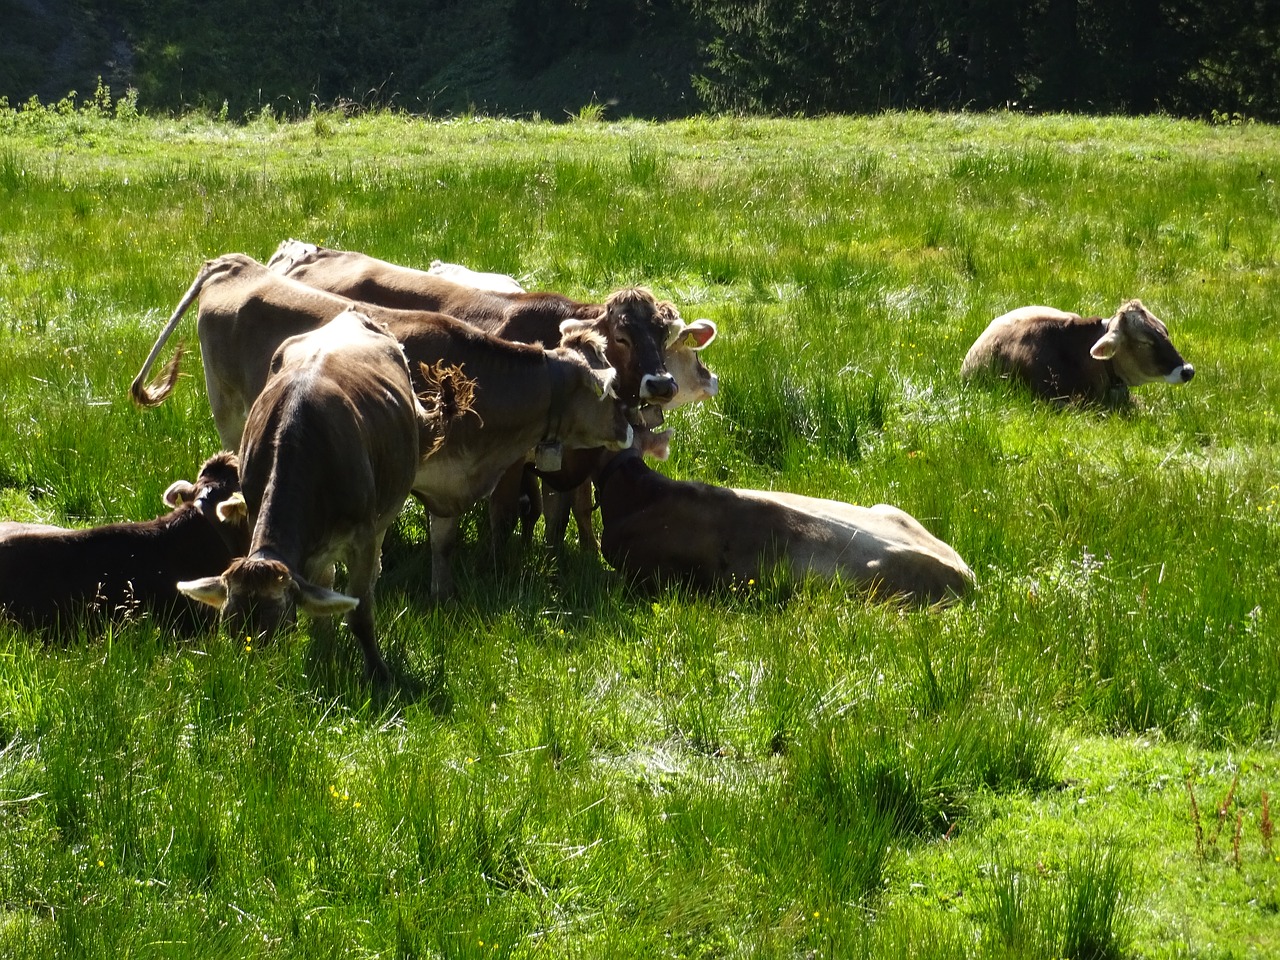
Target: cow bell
547,456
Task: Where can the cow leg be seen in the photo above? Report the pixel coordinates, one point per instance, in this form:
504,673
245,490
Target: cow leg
362,574
555,515
530,504
582,513
444,535
504,505
229,413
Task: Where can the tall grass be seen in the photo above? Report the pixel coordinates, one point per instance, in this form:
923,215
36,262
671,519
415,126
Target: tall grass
571,767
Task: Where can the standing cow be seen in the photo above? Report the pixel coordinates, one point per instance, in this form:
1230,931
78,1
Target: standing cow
1064,356
524,395
570,488
329,455
646,340
634,329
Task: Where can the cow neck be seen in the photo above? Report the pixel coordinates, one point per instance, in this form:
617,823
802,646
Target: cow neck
615,463
269,554
559,402
1117,389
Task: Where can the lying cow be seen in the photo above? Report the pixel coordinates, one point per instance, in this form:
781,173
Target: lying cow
51,577
656,529
329,456
1064,356
524,395
635,330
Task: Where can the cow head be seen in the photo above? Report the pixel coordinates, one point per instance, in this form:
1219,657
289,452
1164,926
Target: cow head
1138,345
694,382
637,332
257,597
592,415
217,484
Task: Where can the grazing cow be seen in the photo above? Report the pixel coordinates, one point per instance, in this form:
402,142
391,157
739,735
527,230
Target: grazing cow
1064,356
657,529
523,394
51,577
497,282
329,456
634,329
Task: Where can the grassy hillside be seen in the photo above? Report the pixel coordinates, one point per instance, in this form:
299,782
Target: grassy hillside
1079,760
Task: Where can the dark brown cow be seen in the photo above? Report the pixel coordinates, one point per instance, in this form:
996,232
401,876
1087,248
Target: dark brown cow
329,456
524,394
634,329
50,576
657,529
1064,356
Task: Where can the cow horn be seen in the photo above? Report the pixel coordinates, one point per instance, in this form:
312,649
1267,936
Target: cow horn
210,590
179,492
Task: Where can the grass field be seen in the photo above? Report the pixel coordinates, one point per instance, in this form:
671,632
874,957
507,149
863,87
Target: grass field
1077,761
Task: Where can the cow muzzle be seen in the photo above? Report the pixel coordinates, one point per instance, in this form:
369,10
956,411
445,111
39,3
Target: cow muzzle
659,388
1180,374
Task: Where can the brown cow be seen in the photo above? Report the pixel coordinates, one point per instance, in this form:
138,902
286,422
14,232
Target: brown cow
329,456
524,394
694,383
245,313
1064,356
658,529
634,329
525,397
50,576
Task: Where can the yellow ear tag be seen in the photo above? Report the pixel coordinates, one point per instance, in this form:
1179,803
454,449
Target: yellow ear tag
691,341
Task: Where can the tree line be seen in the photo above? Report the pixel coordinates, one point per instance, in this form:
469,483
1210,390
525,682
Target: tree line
1183,57
1201,58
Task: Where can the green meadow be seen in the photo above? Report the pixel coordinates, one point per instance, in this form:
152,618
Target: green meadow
1079,760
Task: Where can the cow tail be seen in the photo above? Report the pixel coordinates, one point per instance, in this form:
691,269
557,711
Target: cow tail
150,394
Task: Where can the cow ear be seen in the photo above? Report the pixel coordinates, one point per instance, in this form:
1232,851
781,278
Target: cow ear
210,590
234,510
1106,346
179,492
698,334
320,601
656,445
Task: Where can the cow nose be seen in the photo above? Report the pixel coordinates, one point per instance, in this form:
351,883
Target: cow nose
1188,371
1181,374
659,388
